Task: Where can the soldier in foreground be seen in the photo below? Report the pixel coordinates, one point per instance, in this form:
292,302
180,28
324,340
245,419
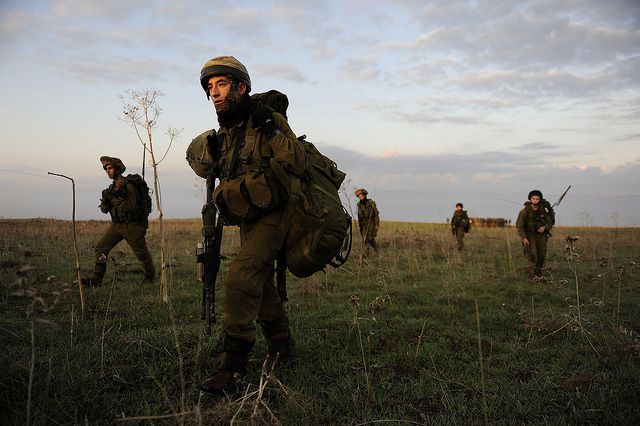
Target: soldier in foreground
251,141
460,225
129,221
368,219
534,223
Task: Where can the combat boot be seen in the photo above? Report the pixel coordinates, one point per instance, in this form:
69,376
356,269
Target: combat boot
222,381
226,377
149,276
95,280
281,346
92,281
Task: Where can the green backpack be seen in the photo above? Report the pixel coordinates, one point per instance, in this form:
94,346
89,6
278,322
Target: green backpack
320,227
546,205
142,195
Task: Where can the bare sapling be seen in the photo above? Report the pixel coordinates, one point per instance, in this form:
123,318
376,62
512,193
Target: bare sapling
141,110
75,241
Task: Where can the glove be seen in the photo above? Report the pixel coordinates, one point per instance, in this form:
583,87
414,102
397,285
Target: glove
105,202
263,121
107,195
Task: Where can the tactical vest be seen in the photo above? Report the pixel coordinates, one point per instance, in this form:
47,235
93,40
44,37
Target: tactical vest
534,219
121,211
250,185
367,212
460,219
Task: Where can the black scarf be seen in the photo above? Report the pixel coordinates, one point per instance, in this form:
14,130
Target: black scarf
237,112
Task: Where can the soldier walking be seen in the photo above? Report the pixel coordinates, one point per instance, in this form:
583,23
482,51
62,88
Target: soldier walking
460,225
368,219
251,141
129,222
534,223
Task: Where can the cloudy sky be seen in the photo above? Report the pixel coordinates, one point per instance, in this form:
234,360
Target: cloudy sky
424,103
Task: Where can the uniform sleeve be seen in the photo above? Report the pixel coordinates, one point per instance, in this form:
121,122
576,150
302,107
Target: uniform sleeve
286,147
520,223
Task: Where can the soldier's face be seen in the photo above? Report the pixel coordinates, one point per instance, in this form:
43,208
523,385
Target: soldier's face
535,200
222,92
111,171
362,197
459,208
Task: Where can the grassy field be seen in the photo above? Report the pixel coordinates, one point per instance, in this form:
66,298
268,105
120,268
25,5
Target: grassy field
420,334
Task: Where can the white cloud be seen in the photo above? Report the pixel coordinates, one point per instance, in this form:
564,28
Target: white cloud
284,71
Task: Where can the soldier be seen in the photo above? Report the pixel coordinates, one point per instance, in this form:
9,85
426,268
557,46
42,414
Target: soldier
460,225
251,142
368,219
128,221
534,223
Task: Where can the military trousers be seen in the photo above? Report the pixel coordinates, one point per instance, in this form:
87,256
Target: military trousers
134,234
368,233
460,237
250,292
537,252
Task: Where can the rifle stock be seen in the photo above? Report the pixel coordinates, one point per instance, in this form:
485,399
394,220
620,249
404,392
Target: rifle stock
208,256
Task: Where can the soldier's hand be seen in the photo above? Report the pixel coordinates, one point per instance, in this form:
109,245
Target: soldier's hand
263,121
105,205
541,230
525,242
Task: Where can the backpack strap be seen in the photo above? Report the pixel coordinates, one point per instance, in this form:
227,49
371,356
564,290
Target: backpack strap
239,141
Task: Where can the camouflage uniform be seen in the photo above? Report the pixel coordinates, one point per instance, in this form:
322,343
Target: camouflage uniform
368,220
528,222
128,222
250,293
460,226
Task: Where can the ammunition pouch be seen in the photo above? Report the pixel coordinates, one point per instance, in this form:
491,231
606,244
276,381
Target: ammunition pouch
244,198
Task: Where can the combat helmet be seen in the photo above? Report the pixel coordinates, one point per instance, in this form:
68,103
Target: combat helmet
224,65
115,162
361,191
535,192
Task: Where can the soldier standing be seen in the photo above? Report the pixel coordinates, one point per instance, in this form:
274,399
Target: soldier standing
251,141
368,219
129,222
460,225
534,223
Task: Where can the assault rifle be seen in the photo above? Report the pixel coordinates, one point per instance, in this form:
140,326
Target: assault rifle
557,203
208,256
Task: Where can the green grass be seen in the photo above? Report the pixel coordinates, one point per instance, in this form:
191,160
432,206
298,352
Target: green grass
405,353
